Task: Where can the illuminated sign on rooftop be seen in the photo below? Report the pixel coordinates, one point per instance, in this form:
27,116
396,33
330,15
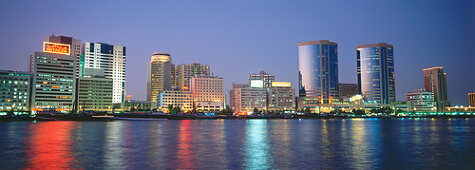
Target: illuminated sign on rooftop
257,83
281,84
56,48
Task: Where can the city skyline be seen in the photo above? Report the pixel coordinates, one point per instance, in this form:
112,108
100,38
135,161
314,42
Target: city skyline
416,48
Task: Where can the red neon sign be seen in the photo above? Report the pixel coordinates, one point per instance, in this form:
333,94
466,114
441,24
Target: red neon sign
56,48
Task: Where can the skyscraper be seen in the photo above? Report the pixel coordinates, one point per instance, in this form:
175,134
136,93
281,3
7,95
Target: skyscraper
471,99
53,80
75,48
375,69
262,79
106,59
318,70
435,82
184,73
159,75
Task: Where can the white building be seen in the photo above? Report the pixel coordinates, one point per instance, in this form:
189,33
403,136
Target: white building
110,59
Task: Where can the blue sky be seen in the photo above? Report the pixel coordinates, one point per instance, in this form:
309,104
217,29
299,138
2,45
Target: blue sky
240,37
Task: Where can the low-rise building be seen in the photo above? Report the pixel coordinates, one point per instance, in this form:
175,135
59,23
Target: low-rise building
245,98
280,97
133,106
421,100
94,94
177,98
14,91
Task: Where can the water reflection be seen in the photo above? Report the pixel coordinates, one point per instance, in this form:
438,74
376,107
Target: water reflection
50,145
185,149
257,148
114,145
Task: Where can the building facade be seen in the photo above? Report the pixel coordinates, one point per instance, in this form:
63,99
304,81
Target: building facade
262,79
280,97
53,82
471,99
159,75
109,59
245,98
207,92
94,94
435,82
420,100
318,70
177,98
14,91
375,69
185,72
347,90
75,48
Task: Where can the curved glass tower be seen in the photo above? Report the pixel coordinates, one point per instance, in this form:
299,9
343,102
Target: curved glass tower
375,69
318,70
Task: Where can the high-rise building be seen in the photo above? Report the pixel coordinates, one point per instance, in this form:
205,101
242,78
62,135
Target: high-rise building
177,98
14,91
53,79
435,82
109,59
184,73
318,70
262,79
375,69
159,75
75,48
245,98
208,94
347,90
94,94
280,96
420,100
471,99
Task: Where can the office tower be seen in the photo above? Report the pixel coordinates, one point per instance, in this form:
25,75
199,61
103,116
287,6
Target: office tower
94,94
177,98
75,48
262,79
159,75
318,70
347,90
245,98
375,69
420,100
471,99
184,73
207,93
109,59
435,82
280,96
53,79
14,91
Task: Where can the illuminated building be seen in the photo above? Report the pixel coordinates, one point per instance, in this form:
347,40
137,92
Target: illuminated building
318,70
160,75
262,79
435,82
75,48
280,96
110,59
207,93
347,90
245,98
14,90
471,99
185,72
53,81
375,69
420,100
94,94
177,98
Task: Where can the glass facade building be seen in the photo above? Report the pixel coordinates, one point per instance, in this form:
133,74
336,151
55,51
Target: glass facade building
375,69
318,70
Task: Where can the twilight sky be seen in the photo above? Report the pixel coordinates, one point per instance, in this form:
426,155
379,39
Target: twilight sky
240,37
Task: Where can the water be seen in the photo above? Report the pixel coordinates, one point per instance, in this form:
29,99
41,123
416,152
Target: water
240,144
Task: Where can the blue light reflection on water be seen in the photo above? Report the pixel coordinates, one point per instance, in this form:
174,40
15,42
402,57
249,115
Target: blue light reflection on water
241,144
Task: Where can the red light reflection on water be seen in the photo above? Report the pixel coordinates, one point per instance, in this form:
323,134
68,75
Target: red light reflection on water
50,145
185,152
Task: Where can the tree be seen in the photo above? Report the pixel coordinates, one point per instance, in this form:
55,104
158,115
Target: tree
306,110
176,110
358,112
255,110
170,108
